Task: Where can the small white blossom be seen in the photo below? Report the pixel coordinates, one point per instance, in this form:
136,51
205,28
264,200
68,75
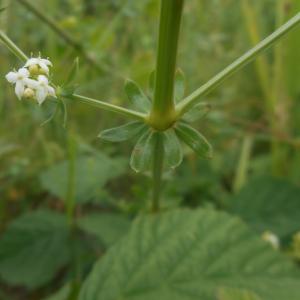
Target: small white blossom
272,239
43,89
38,61
20,79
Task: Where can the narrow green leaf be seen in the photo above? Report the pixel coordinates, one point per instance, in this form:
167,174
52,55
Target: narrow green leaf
2,9
236,294
198,112
194,139
152,83
136,96
141,156
122,133
179,85
73,72
172,147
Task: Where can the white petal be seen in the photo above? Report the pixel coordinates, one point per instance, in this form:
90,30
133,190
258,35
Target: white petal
33,84
46,62
11,77
19,89
41,95
43,79
44,67
51,91
31,62
23,72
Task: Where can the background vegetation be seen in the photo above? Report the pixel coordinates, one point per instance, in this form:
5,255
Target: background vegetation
254,126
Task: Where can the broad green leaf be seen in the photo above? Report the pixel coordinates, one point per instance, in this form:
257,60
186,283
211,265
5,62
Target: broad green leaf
108,227
236,294
198,112
141,156
135,95
34,248
179,89
73,72
172,147
152,83
186,255
269,204
122,133
194,139
92,172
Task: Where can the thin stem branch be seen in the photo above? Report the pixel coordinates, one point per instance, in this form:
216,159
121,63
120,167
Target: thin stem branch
158,160
13,47
110,107
192,99
65,36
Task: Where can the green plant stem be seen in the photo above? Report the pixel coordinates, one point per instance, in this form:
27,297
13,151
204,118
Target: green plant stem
76,45
192,99
109,107
163,108
158,160
70,195
12,47
242,168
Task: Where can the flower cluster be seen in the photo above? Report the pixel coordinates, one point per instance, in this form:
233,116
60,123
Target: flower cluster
31,81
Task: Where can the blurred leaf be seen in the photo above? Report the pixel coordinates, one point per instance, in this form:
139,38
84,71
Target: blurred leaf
141,156
172,147
92,173
198,112
73,72
7,148
135,95
2,9
179,85
194,139
122,133
62,294
34,248
236,294
108,227
190,255
269,204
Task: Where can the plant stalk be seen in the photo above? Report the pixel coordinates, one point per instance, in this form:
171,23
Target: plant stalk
192,99
158,161
163,109
109,107
162,114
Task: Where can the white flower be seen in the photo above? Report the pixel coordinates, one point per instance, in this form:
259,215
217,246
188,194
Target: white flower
272,239
20,79
43,89
41,62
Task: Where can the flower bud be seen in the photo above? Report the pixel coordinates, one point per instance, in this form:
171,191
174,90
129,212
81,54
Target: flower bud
34,70
28,93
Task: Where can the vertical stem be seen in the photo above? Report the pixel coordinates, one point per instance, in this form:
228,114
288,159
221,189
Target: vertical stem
163,109
242,168
70,195
158,160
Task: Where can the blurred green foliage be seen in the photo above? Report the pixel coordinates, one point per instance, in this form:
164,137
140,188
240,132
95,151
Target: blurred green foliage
120,36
